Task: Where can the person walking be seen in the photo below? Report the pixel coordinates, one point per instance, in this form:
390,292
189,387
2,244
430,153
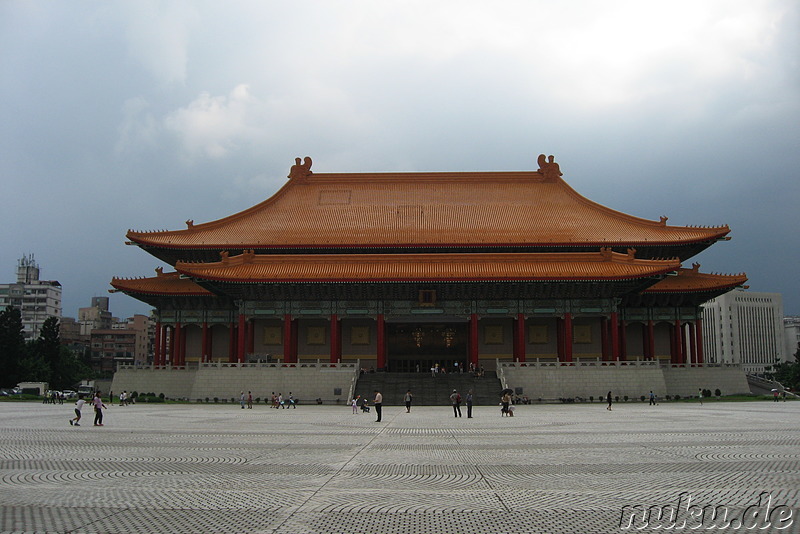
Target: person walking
249,400
97,402
378,403
241,399
354,404
407,399
75,421
469,404
608,399
455,400
652,398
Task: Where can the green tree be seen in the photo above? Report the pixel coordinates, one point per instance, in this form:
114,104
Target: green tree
73,368
48,348
12,345
788,373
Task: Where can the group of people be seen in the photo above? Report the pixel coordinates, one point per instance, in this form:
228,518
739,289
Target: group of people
279,402
437,369
97,404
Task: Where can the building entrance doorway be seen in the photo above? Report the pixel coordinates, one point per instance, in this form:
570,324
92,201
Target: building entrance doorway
417,347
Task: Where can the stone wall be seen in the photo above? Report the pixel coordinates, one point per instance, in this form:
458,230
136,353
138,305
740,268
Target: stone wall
686,381
225,381
634,379
555,381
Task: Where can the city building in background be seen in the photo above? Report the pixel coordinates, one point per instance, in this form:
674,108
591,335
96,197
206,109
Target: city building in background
791,336
95,317
745,327
36,299
125,343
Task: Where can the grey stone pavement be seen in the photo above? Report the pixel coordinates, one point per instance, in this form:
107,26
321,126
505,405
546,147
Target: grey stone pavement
321,469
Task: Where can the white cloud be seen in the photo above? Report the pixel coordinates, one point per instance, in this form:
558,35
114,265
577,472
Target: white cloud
213,126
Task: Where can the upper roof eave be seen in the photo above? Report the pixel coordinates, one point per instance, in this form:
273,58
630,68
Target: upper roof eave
389,268
693,281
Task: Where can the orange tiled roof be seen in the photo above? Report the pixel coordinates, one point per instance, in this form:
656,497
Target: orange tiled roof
276,268
424,210
166,284
691,281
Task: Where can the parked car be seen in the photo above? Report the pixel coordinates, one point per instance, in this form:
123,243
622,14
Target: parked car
69,394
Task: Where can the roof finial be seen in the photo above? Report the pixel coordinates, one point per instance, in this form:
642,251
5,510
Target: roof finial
549,168
299,170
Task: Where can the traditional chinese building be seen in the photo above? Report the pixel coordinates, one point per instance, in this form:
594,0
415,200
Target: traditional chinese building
404,271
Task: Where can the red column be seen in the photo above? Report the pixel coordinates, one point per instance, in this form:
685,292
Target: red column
251,336
473,339
519,349
381,342
623,342
568,337
336,347
560,339
651,339
210,344
680,338
614,331
699,339
204,343
645,343
604,338
184,332
157,343
241,338
287,338
176,345
295,334
231,342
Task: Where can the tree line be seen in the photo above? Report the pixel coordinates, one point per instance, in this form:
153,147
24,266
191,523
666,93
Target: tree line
39,360
788,373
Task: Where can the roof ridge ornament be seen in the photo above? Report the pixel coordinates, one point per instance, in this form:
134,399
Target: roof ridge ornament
549,168
663,220
159,272
300,171
190,224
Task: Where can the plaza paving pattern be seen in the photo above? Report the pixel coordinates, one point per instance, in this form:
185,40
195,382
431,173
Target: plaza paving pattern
321,469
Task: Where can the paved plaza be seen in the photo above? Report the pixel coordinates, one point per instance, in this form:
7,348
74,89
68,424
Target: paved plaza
321,469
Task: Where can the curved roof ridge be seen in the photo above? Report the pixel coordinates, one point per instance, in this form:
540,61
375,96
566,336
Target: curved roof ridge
444,209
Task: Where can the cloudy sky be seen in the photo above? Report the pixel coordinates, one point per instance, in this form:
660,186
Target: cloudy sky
143,114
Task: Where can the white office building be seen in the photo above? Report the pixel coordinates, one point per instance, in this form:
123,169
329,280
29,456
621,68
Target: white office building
36,299
791,335
744,327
